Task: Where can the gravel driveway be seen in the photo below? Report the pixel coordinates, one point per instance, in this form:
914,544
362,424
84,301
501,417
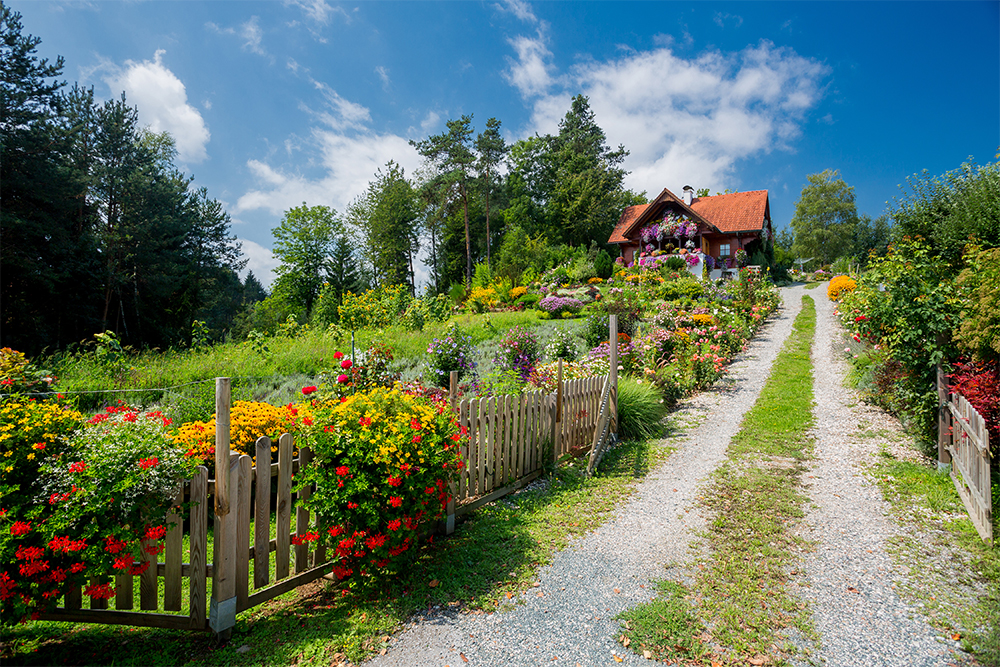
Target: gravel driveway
568,617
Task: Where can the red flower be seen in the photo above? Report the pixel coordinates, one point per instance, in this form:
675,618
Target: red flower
352,506
124,563
335,530
860,318
33,567
79,466
146,464
77,567
29,553
308,390
395,501
414,424
375,541
38,446
100,591
365,421
139,569
338,355
6,382
428,490
415,438
113,545
130,417
345,364
395,524
307,421
342,470
155,532
456,437
342,379
395,481
20,528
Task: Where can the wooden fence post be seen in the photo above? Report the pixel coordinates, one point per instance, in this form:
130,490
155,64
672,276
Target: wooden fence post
222,612
944,422
452,388
613,370
557,417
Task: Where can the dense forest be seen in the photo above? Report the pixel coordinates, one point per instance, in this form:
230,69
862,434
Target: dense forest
101,231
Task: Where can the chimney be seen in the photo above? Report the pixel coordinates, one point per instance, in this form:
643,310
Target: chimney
688,195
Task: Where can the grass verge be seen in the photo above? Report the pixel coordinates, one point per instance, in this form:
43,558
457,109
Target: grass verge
492,556
952,573
736,608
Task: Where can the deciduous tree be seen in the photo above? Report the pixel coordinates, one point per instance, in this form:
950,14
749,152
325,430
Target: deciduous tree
825,218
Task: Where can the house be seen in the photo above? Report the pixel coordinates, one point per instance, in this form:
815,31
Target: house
715,226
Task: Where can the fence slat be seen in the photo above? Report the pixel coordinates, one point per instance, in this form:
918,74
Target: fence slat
243,482
302,517
147,580
508,413
463,474
491,444
123,591
198,546
262,515
173,556
284,508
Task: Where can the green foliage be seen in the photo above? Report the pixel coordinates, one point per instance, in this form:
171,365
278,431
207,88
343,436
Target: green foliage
452,352
603,266
979,290
640,409
302,243
825,218
562,345
684,287
950,210
385,218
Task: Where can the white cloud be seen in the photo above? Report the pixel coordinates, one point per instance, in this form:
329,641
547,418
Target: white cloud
252,36
722,19
260,260
162,102
383,75
530,72
319,14
344,147
690,120
518,8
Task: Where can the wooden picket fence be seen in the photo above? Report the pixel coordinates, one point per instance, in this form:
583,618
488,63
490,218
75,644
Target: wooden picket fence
964,443
510,440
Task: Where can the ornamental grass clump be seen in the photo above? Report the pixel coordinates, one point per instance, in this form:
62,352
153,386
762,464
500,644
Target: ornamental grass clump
640,409
382,464
98,511
453,352
518,352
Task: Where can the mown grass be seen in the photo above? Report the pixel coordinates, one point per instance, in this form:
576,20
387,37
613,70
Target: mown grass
491,557
953,574
737,605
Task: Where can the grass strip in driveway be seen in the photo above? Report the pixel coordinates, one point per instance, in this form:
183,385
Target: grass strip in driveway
736,607
496,551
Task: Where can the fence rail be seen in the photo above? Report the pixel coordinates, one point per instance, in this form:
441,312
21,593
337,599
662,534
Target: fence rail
964,442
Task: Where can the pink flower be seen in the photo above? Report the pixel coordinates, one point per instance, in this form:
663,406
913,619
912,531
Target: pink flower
342,378
345,364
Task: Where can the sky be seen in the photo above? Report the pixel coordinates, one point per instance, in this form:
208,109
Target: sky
277,103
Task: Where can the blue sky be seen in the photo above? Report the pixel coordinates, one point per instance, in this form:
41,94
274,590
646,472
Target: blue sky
276,103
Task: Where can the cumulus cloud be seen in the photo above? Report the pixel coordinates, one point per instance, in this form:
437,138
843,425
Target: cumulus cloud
530,72
689,120
518,8
260,260
346,150
163,106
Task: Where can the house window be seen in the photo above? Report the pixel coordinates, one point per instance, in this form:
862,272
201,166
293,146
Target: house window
724,250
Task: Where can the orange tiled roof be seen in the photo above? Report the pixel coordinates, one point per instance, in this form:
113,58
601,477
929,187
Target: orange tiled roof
736,212
628,217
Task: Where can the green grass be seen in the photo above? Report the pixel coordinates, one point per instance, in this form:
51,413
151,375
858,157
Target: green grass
493,555
959,590
738,604
813,285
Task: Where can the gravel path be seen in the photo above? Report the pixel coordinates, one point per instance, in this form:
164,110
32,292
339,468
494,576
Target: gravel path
568,618
849,577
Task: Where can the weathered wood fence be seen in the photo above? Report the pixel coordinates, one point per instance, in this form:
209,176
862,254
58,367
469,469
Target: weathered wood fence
510,441
964,443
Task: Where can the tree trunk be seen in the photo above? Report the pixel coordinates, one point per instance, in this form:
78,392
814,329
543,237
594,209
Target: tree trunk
468,244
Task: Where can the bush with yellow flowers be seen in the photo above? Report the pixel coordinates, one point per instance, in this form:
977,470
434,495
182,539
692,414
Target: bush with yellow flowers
382,464
840,286
248,421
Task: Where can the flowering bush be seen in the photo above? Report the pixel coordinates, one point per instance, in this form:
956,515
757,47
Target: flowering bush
561,346
17,374
248,420
451,353
839,286
373,309
556,306
980,384
382,465
30,431
482,299
518,352
100,507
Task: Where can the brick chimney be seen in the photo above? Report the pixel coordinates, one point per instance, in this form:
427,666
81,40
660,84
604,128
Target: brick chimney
688,195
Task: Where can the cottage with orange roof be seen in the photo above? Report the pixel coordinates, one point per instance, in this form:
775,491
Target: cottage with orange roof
710,226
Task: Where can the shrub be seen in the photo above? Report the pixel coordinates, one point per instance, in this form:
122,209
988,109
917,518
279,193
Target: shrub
562,346
529,299
556,306
103,502
17,374
640,409
603,265
839,286
979,286
681,288
383,461
980,384
518,352
453,352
